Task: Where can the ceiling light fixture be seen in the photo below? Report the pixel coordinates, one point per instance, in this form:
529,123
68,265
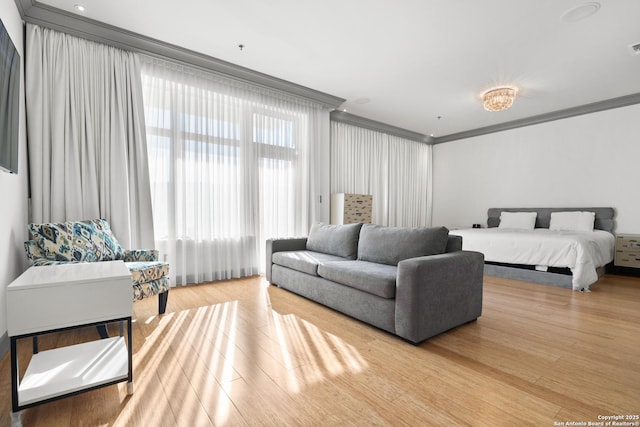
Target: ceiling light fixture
79,7
580,12
499,99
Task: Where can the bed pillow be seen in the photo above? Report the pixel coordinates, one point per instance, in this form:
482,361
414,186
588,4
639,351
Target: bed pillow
519,220
572,221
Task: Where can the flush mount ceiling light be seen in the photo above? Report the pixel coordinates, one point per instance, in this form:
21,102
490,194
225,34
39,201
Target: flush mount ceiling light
581,12
79,7
499,99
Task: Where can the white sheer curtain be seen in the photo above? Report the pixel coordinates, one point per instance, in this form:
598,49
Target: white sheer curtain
229,168
394,170
87,147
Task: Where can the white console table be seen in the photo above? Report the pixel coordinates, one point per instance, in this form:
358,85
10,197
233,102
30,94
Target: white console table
60,297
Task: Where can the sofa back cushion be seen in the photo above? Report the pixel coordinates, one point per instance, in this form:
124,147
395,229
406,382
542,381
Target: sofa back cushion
340,240
390,245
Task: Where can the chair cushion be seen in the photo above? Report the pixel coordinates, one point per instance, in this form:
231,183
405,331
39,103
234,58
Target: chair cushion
148,289
339,240
143,272
390,245
53,240
98,232
89,240
304,261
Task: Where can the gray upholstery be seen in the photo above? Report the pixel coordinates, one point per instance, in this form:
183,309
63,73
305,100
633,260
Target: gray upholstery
604,216
370,277
369,308
417,299
280,245
454,243
340,240
305,261
390,245
438,291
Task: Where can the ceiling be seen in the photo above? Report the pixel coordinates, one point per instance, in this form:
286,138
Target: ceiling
420,65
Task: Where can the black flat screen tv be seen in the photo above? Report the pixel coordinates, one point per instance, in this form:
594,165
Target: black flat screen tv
9,102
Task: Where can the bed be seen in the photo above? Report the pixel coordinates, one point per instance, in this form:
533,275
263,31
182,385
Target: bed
566,258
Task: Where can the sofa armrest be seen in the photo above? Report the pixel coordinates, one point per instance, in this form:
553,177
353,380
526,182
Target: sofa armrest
436,293
282,245
133,255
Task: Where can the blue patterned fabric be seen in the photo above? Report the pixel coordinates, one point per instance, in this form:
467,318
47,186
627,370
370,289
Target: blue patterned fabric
142,272
131,255
93,241
151,288
89,240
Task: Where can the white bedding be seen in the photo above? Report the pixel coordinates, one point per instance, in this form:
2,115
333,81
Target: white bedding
580,251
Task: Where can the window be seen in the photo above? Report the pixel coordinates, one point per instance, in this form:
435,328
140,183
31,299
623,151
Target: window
229,167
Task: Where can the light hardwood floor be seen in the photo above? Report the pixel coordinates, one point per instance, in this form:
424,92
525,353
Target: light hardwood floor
242,352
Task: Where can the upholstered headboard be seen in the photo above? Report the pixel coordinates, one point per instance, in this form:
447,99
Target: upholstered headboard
604,216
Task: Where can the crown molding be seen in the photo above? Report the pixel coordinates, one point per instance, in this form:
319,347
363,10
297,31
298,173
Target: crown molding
38,13
594,107
352,119
34,12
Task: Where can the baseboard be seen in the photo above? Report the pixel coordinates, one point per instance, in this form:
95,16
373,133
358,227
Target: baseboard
4,345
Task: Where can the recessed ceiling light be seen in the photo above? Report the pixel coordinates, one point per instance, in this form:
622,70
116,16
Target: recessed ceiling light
79,7
581,12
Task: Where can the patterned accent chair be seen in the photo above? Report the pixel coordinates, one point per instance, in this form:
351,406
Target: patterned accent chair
93,241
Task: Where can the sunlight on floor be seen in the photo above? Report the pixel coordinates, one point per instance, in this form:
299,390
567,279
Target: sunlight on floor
310,355
192,359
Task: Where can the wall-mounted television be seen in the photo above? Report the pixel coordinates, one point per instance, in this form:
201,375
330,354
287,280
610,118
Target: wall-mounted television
9,102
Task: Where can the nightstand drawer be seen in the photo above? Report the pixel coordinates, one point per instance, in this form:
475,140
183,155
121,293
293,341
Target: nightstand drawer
628,259
628,242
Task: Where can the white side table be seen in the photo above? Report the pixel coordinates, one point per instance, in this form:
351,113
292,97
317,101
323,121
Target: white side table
59,297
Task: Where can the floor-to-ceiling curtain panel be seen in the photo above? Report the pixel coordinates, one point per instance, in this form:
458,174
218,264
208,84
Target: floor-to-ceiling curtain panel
394,170
230,166
87,144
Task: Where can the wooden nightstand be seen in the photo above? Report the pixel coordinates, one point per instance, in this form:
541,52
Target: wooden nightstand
627,256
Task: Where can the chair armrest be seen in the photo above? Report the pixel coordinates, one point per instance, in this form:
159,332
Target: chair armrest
436,293
33,250
133,255
282,245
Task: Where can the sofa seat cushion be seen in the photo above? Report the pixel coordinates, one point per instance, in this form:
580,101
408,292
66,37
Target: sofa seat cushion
304,261
373,278
390,245
143,272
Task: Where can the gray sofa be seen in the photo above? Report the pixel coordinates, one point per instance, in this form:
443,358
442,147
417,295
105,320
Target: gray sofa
412,282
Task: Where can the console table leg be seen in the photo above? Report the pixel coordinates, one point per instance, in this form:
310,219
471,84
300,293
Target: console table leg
16,419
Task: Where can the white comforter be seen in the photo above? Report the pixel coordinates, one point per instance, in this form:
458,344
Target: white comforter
582,252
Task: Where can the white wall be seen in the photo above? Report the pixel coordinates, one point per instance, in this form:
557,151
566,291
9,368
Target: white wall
590,160
13,188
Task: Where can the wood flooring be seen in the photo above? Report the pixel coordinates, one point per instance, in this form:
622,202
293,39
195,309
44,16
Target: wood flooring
242,352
